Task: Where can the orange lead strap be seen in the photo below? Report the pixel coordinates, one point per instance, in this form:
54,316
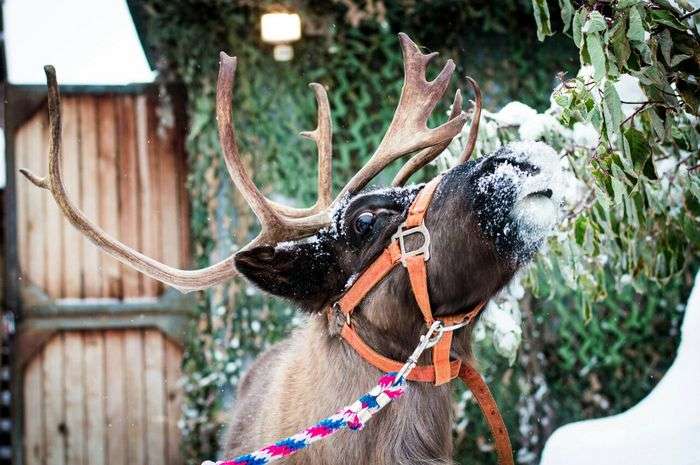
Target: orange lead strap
442,370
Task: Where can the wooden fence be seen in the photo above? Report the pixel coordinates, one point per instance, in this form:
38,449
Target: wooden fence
98,349
124,175
94,397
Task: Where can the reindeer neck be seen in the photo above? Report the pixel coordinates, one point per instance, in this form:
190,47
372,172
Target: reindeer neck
393,328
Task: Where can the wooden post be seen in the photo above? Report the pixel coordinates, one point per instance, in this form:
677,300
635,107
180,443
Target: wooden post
23,102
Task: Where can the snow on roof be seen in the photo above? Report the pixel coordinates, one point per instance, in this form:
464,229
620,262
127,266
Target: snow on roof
88,41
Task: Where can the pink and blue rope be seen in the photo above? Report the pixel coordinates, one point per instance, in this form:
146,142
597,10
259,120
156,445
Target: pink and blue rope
353,417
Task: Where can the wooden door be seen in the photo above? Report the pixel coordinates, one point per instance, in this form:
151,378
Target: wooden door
103,397
107,394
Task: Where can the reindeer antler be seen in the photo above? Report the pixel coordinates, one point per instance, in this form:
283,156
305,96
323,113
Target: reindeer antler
322,136
429,154
408,130
279,223
275,225
407,133
184,280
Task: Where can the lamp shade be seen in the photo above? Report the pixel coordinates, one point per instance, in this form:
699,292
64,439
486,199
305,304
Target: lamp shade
280,28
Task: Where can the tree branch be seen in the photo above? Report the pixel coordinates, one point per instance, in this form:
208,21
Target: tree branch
688,15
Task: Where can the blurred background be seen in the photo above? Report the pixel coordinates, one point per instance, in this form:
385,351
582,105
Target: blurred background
102,365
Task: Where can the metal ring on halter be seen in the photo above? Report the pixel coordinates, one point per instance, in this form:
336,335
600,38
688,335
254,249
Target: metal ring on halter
427,340
455,326
336,308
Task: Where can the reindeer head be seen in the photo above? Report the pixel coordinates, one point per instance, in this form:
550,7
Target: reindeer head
485,220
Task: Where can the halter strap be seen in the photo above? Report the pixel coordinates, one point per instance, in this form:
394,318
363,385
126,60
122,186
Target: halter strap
442,370
414,261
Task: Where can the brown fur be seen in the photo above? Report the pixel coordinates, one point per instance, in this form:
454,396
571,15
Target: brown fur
313,373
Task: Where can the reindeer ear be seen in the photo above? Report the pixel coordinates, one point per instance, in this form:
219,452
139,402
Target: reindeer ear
303,272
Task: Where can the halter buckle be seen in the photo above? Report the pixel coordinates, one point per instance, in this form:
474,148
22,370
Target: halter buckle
404,232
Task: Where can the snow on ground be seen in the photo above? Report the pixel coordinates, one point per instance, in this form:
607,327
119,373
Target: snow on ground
664,428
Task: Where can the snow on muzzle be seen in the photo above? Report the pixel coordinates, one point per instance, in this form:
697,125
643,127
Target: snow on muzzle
540,191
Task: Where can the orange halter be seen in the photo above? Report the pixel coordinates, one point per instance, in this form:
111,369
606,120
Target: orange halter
442,370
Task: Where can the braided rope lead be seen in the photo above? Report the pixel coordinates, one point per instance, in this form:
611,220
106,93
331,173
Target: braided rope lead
390,386
354,417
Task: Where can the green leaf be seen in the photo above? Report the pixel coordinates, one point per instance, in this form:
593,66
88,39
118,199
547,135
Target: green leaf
612,111
692,204
632,220
613,71
580,229
567,12
690,94
691,228
594,23
618,187
640,152
678,59
694,186
619,43
622,4
603,197
667,19
541,11
563,99
666,4
657,124
576,26
665,44
596,119
597,55
635,31
584,56
644,52
586,309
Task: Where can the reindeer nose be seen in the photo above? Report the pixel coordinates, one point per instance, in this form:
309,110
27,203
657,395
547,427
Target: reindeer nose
526,167
523,165
536,159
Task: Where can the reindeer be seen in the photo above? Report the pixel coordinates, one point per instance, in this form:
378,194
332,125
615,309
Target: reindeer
486,220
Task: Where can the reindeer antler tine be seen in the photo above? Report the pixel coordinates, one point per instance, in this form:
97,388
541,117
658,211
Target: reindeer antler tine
408,130
234,164
322,135
456,104
474,127
428,58
34,179
444,77
411,52
428,154
54,105
183,280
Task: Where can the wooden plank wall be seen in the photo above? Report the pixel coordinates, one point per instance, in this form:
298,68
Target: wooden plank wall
103,397
126,173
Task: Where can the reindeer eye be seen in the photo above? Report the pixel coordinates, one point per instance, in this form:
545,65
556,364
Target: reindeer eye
364,223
